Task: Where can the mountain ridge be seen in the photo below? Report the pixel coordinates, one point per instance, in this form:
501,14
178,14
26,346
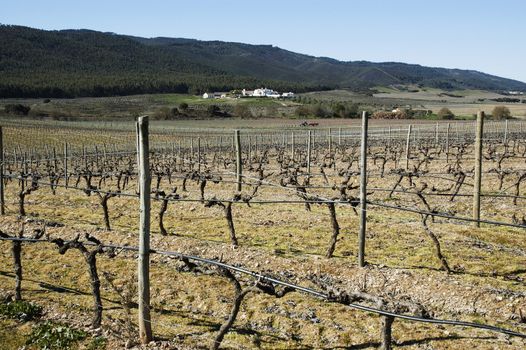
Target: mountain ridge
85,62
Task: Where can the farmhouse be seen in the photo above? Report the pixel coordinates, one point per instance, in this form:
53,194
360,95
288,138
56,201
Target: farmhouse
214,95
248,93
262,92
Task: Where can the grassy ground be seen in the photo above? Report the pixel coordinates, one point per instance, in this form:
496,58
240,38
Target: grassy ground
488,284
114,108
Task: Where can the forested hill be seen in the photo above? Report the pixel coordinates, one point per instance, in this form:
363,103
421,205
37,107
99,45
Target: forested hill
68,63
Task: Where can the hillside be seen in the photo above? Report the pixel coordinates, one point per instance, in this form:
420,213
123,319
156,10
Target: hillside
264,61
69,63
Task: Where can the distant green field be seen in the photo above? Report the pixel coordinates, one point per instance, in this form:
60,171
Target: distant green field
464,104
176,99
131,106
468,103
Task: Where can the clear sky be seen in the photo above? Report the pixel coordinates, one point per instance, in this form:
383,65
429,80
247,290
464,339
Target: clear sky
484,35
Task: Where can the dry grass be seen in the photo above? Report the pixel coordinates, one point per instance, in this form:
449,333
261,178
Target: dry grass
488,284
188,309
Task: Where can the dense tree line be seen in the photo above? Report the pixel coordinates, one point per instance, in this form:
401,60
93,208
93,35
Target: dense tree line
64,86
65,64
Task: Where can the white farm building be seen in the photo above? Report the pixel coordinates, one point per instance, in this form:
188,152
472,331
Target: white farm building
264,92
214,95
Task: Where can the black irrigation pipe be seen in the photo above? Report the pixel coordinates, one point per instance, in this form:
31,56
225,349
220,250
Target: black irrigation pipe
132,195
71,174
301,174
79,157
303,289
84,189
336,187
124,194
447,194
447,216
445,179
312,174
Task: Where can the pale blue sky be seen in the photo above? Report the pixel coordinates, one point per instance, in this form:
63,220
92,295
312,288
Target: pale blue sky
470,34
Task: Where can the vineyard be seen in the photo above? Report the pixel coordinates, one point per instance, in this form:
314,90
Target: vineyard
409,236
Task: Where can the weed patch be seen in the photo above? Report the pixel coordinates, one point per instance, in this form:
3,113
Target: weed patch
50,335
21,310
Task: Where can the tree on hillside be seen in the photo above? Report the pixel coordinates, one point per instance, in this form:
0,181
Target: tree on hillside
213,109
445,113
319,111
501,112
352,111
302,111
242,111
17,109
339,110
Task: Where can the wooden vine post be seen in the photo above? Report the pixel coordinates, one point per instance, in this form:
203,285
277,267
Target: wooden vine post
66,178
505,140
55,164
145,327
447,142
436,135
2,202
309,151
329,140
239,166
192,150
199,154
407,146
363,192
292,145
138,147
478,168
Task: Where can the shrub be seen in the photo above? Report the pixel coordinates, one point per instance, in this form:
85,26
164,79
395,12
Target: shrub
166,113
506,99
242,111
390,115
346,110
319,111
339,110
445,113
501,112
163,113
212,109
302,111
17,109
352,111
